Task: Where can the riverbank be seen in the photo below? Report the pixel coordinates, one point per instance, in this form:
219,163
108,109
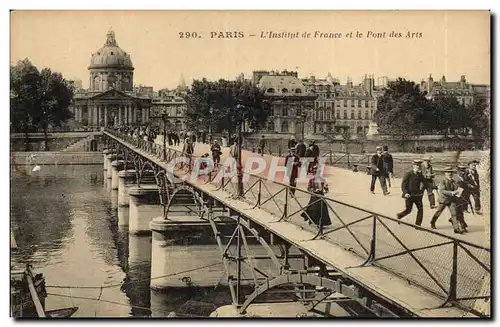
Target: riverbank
56,158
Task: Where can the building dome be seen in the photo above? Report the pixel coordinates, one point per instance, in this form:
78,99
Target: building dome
111,56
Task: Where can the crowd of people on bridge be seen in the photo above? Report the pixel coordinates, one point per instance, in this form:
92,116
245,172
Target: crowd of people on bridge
454,191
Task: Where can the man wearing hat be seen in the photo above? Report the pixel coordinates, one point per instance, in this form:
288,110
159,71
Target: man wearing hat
216,152
388,164
301,149
292,143
473,178
449,195
428,174
465,183
377,171
293,170
412,187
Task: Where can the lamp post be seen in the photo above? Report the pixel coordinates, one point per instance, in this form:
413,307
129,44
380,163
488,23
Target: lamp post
210,123
303,121
239,166
164,115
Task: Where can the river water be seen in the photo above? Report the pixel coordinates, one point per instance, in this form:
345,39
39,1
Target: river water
65,222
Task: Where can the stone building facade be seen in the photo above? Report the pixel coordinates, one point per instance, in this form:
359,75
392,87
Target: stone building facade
172,102
110,99
465,92
339,108
291,104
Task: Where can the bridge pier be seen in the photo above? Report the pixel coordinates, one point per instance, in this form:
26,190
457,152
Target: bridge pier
105,162
116,167
126,179
143,207
109,159
123,213
180,245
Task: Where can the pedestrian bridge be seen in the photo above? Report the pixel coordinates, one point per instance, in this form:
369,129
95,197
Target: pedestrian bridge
389,267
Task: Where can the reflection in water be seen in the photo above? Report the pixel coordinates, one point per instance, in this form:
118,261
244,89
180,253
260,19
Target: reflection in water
66,223
138,276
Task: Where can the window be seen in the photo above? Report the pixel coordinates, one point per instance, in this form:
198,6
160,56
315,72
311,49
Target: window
285,111
371,115
352,114
284,126
367,115
270,126
359,114
338,114
178,112
321,113
352,103
337,103
284,90
298,91
111,53
178,125
270,90
345,114
345,102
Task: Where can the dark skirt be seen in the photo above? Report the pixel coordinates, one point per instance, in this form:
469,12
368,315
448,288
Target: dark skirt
318,212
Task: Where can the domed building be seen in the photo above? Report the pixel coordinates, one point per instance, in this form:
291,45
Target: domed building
110,99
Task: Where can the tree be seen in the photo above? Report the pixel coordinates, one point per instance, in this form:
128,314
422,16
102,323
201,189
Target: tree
446,115
401,110
24,83
216,103
361,140
479,121
39,100
55,95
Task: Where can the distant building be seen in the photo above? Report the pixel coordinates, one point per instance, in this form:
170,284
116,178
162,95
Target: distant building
144,90
466,93
291,104
172,102
339,108
77,84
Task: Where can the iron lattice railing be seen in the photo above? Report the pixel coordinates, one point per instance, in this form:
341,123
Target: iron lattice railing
448,267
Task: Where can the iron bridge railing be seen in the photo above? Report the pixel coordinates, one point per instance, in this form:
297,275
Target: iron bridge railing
455,270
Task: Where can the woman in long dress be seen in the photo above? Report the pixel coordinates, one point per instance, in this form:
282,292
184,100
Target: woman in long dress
317,210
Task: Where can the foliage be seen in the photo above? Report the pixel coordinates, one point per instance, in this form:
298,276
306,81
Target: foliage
446,115
403,111
38,99
216,103
401,108
479,120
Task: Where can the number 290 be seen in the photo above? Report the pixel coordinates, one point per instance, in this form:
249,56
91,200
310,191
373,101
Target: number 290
188,35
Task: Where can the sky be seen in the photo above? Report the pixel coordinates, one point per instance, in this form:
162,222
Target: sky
450,43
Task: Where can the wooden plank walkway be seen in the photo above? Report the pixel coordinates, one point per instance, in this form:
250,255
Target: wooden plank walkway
333,251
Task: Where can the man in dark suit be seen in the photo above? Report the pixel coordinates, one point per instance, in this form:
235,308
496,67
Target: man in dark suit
377,171
292,143
449,194
473,178
388,164
412,187
293,171
301,149
262,145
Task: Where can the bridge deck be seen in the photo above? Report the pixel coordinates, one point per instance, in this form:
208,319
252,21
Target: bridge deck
331,249
353,188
